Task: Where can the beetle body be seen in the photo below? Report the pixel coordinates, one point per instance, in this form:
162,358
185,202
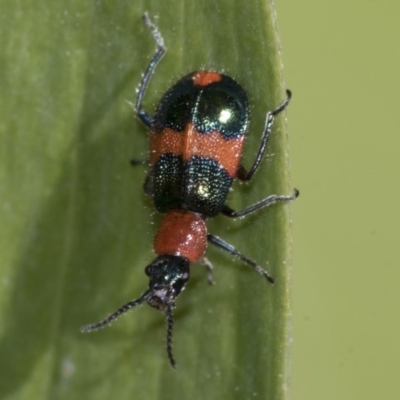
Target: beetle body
196,142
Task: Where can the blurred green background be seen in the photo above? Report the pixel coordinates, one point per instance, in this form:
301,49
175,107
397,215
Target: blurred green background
342,61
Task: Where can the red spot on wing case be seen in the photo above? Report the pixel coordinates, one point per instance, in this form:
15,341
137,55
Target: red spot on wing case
204,78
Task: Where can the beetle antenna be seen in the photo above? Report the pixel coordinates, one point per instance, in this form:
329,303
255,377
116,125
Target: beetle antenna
116,314
170,325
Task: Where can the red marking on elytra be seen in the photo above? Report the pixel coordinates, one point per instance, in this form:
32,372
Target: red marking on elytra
204,78
191,143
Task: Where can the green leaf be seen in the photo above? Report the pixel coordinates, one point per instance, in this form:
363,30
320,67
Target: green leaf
77,229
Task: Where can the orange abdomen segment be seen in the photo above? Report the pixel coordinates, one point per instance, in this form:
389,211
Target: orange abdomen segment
182,233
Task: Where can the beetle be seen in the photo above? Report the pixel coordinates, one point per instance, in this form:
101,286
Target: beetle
196,142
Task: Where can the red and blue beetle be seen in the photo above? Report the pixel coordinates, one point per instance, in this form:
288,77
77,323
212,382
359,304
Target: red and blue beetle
196,141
